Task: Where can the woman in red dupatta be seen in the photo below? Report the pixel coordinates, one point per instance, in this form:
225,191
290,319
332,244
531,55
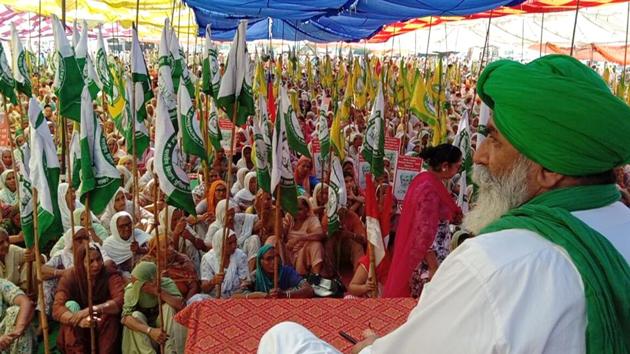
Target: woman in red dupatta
427,207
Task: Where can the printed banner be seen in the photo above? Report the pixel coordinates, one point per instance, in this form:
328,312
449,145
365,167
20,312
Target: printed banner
226,135
407,168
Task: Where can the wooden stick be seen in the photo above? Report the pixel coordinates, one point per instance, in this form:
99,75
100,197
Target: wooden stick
134,158
372,270
277,233
156,195
88,226
227,199
40,283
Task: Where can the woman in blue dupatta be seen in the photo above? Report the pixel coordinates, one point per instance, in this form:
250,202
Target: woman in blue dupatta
290,283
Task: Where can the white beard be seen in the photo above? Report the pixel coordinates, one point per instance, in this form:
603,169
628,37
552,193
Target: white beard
497,194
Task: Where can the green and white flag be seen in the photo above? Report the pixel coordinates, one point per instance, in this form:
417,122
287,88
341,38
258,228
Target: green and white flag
68,82
142,95
165,80
113,84
295,135
7,82
175,58
282,172
20,69
322,130
484,117
26,209
462,141
179,67
86,65
167,163
236,83
192,141
373,149
75,158
214,131
102,68
211,75
75,34
262,145
99,177
44,168
337,195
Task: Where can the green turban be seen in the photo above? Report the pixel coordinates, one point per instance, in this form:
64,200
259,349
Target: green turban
559,113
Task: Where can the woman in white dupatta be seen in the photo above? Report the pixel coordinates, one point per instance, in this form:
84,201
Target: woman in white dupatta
119,202
120,245
244,225
245,197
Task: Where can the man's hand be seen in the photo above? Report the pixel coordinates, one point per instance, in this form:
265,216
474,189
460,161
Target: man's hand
370,337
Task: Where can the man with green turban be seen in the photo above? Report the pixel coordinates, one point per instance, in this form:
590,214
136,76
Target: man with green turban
548,270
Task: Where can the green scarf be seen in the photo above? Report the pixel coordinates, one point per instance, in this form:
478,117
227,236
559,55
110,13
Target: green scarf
604,272
263,282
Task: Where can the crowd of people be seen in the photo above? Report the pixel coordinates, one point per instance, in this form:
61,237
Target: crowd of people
230,247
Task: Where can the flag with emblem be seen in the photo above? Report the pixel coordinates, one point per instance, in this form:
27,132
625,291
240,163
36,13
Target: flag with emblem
165,79
282,172
142,95
262,145
337,195
373,149
86,65
192,141
20,70
68,81
211,75
294,132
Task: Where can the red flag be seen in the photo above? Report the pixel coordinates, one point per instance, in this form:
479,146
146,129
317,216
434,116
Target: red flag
374,235
271,100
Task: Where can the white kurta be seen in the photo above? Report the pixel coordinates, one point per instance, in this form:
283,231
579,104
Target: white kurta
510,291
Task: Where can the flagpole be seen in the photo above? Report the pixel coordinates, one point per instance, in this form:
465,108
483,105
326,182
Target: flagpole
277,231
38,268
577,12
227,199
156,195
134,113
88,226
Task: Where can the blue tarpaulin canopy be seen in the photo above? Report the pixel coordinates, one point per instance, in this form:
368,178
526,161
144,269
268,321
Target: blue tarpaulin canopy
323,20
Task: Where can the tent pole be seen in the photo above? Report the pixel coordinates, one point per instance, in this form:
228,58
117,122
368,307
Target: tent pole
577,8
625,49
137,15
542,24
426,56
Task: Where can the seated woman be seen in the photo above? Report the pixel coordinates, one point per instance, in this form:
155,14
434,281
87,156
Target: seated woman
360,286
13,260
120,203
304,237
121,246
290,283
8,193
231,274
239,183
175,266
303,176
16,312
243,224
70,307
319,200
143,332
61,262
98,231
67,201
183,236
266,213
245,197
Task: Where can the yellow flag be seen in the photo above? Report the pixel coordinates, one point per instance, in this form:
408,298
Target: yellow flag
421,103
336,136
260,83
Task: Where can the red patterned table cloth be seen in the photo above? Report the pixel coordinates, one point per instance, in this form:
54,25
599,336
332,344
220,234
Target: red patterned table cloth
236,325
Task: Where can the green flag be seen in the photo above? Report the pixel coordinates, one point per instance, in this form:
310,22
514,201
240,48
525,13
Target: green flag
167,163
282,172
86,65
262,145
295,135
20,70
374,145
337,196
142,95
68,82
99,177
211,75
192,141
7,82
322,129
44,175
165,80
214,131
75,158
236,83
462,141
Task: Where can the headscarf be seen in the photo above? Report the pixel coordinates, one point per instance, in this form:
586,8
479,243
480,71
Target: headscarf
211,192
559,113
6,195
100,231
64,209
145,272
110,210
127,177
217,246
240,180
100,285
263,282
2,151
306,181
148,174
117,248
164,214
316,191
245,196
242,162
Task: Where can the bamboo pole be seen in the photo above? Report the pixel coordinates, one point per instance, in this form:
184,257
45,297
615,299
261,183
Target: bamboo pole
227,199
577,12
277,232
156,196
88,226
134,159
40,283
